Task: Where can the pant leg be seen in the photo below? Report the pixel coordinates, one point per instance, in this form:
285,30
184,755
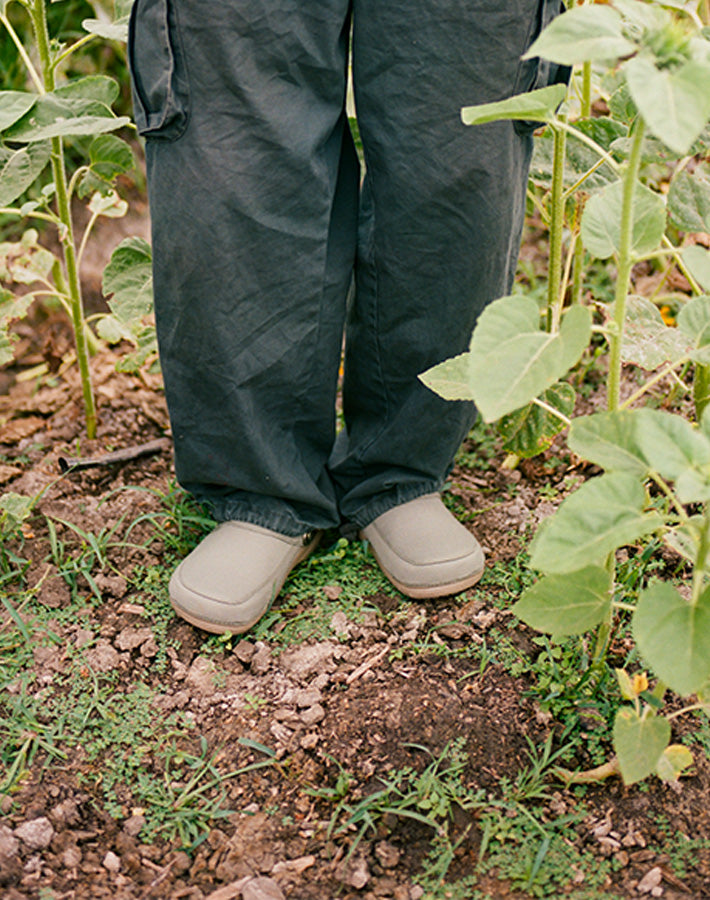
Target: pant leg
253,187
440,222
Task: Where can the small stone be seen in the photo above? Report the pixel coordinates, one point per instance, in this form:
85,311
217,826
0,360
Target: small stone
9,845
103,657
622,858
130,638
181,862
657,891
37,833
340,624
313,715
133,825
310,741
652,879
82,636
358,874
416,893
244,651
261,660
262,888
387,854
71,857
149,649
308,697
305,661
111,862
200,675
66,812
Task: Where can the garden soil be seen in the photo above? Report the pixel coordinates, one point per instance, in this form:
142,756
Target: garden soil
387,689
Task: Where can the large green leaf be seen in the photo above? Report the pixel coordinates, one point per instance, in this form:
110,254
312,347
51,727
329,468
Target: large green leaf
639,742
673,636
694,321
675,103
567,604
674,760
697,259
604,514
20,168
601,220
450,379
539,105
677,451
101,88
583,33
129,277
58,116
14,105
609,440
511,361
647,341
689,200
530,430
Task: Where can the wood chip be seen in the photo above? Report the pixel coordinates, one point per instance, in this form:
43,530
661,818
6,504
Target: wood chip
229,891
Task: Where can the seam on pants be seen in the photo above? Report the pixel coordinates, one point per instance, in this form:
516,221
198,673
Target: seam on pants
375,325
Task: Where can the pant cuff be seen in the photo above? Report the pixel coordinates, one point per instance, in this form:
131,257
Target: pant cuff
395,497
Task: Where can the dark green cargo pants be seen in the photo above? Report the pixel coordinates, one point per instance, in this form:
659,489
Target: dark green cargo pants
260,230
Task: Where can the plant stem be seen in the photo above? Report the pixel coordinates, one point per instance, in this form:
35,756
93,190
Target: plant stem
23,54
38,15
625,263
701,559
586,109
659,376
554,271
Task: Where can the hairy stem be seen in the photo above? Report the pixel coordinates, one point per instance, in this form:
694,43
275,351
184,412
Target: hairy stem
38,15
625,263
554,271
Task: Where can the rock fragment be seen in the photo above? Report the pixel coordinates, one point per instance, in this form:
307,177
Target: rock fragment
651,882
37,834
111,862
262,888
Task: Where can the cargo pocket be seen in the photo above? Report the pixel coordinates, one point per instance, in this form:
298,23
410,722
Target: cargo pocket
538,73
156,60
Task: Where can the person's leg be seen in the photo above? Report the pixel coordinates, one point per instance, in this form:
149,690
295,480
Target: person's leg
441,216
253,185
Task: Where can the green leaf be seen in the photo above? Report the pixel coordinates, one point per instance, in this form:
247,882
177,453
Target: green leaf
673,636
674,103
110,156
694,321
609,440
511,361
14,509
685,540
539,105
674,760
601,220
11,308
110,31
647,341
583,33
697,259
450,379
689,200
677,451
20,168
100,88
639,742
57,116
25,261
567,604
14,105
109,205
129,277
604,514
530,430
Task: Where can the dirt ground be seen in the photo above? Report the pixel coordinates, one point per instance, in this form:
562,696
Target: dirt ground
344,686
